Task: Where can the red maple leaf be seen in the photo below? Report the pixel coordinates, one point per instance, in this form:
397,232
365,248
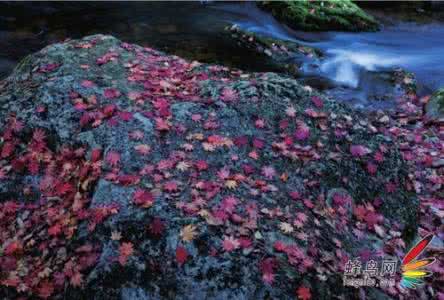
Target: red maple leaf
157,227
295,195
125,116
125,251
390,187
360,211
128,179
303,293
96,154
371,218
379,157
39,135
201,165
45,289
55,230
13,247
181,255
143,198
76,279
258,143
260,123
241,141
317,101
302,132
16,125
268,267
228,204
359,150
136,135
111,93
3,174
113,158
371,168
48,67
64,188
228,95
279,246
143,149
87,83
109,110
245,242
230,244
171,186
162,106
341,199
268,172
162,124
7,149
33,167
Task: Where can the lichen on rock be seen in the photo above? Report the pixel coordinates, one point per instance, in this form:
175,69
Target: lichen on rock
435,106
247,165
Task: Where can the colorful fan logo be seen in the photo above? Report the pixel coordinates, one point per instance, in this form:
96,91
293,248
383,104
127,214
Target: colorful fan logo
413,271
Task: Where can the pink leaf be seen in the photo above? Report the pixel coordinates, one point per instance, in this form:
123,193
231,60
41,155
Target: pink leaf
302,131
359,150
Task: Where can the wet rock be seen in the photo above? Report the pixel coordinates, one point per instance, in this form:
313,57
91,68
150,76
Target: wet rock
435,106
134,293
319,16
283,55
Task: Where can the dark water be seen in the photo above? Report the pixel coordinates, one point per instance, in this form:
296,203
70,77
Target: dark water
189,29
196,31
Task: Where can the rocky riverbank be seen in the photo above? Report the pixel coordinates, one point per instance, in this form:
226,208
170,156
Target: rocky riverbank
126,173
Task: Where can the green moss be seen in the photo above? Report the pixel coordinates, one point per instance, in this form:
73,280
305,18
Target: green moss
321,15
439,98
435,106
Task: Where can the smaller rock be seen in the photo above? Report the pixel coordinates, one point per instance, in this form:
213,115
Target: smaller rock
435,106
384,120
268,52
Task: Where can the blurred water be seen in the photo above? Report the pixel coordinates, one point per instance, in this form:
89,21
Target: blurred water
416,48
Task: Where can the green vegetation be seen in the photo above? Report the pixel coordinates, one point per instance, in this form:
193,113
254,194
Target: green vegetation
435,106
321,15
439,98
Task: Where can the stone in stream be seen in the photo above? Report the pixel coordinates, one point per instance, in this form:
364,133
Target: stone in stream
339,79
321,15
435,107
280,184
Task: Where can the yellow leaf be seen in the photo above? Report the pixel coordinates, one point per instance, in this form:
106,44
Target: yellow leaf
182,166
231,184
286,227
116,235
284,177
188,233
208,147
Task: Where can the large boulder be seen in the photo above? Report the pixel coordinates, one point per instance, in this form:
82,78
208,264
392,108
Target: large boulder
126,173
309,15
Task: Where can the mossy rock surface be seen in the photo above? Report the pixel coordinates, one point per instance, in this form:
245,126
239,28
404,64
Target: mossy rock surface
237,155
342,15
435,106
